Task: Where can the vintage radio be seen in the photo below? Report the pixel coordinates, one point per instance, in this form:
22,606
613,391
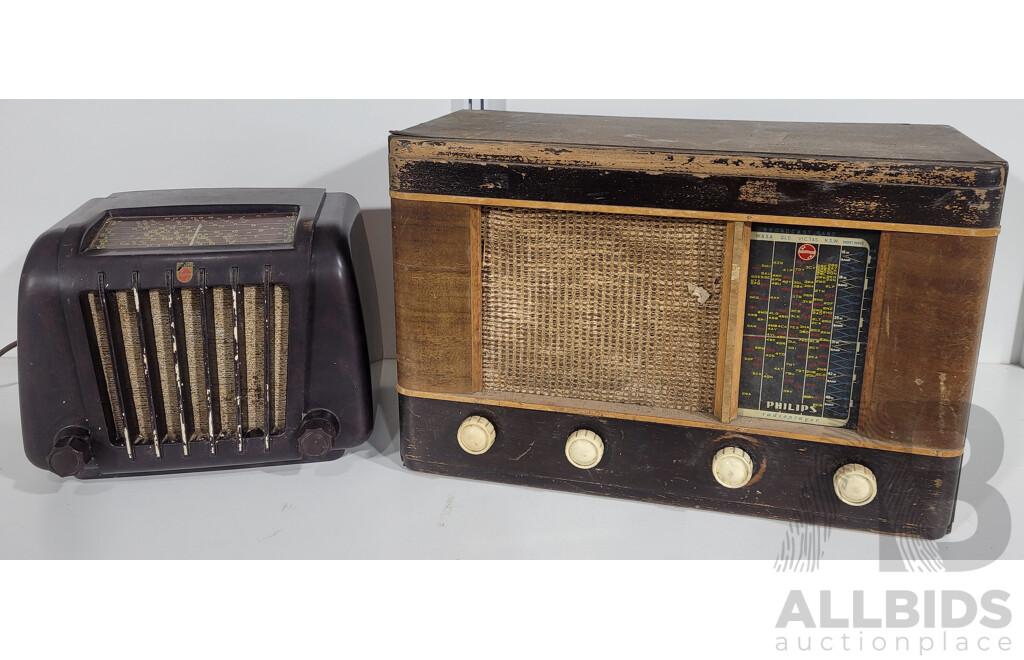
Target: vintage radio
179,330
778,319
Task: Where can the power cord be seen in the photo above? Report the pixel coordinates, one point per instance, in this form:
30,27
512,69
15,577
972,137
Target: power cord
8,347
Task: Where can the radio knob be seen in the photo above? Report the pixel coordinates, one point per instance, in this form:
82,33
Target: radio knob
70,454
476,435
855,484
584,449
732,467
317,433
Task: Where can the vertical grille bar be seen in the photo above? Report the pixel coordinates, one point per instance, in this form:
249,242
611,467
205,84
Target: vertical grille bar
168,404
223,359
238,370
195,354
112,377
133,365
266,358
205,326
177,365
255,345
147,379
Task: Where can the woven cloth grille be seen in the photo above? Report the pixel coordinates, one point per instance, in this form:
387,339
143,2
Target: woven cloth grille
601,306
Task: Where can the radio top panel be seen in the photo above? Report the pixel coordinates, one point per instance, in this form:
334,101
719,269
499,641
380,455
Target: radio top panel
911,176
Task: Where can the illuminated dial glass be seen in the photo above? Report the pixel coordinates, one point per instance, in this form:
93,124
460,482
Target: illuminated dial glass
182,231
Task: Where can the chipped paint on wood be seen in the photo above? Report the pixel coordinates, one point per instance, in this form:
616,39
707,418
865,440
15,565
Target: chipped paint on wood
618,158
794,196
762,192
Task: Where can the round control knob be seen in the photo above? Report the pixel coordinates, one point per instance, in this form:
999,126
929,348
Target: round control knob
476,435
855,484
732,467
314,443
317,433
584,449
70,454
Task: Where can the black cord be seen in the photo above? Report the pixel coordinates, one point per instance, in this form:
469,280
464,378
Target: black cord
8,347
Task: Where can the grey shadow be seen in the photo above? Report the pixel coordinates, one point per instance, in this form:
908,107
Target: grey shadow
378,233
282,470
10,277
384,439
1016,183
26,478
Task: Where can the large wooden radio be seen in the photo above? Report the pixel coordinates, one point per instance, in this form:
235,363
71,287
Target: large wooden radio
777,319
178,330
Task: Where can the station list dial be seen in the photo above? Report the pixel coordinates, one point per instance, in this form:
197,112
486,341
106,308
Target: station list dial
185,231
805,324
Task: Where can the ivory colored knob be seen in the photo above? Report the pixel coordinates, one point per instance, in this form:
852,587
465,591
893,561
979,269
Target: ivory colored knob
732,467
855,484
584,449
476,435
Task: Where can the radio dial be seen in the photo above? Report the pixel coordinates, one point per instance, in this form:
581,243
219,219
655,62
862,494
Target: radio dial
476,435
732,467
584,449
855,484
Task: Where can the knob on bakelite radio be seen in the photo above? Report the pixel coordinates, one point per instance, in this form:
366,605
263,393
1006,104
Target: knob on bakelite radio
476,435
584,449
72,451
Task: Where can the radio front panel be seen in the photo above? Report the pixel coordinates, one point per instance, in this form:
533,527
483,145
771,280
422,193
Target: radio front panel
714,305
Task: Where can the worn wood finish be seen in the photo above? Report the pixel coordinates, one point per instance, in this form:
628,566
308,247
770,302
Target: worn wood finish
721,392
933,195
910,147
664,158
433,293
869,202
730,341
672,465
476,304
832,223
874,329
908,174
924,341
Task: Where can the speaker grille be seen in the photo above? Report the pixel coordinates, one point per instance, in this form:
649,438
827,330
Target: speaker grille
607,307
170,368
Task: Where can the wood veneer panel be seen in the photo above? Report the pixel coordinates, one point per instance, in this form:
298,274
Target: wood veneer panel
924,341
433,294
731,339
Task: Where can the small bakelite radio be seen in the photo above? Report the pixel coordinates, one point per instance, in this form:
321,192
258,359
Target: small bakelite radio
167,331
778,319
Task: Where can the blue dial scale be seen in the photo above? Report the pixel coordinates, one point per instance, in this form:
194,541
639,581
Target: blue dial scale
806,323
